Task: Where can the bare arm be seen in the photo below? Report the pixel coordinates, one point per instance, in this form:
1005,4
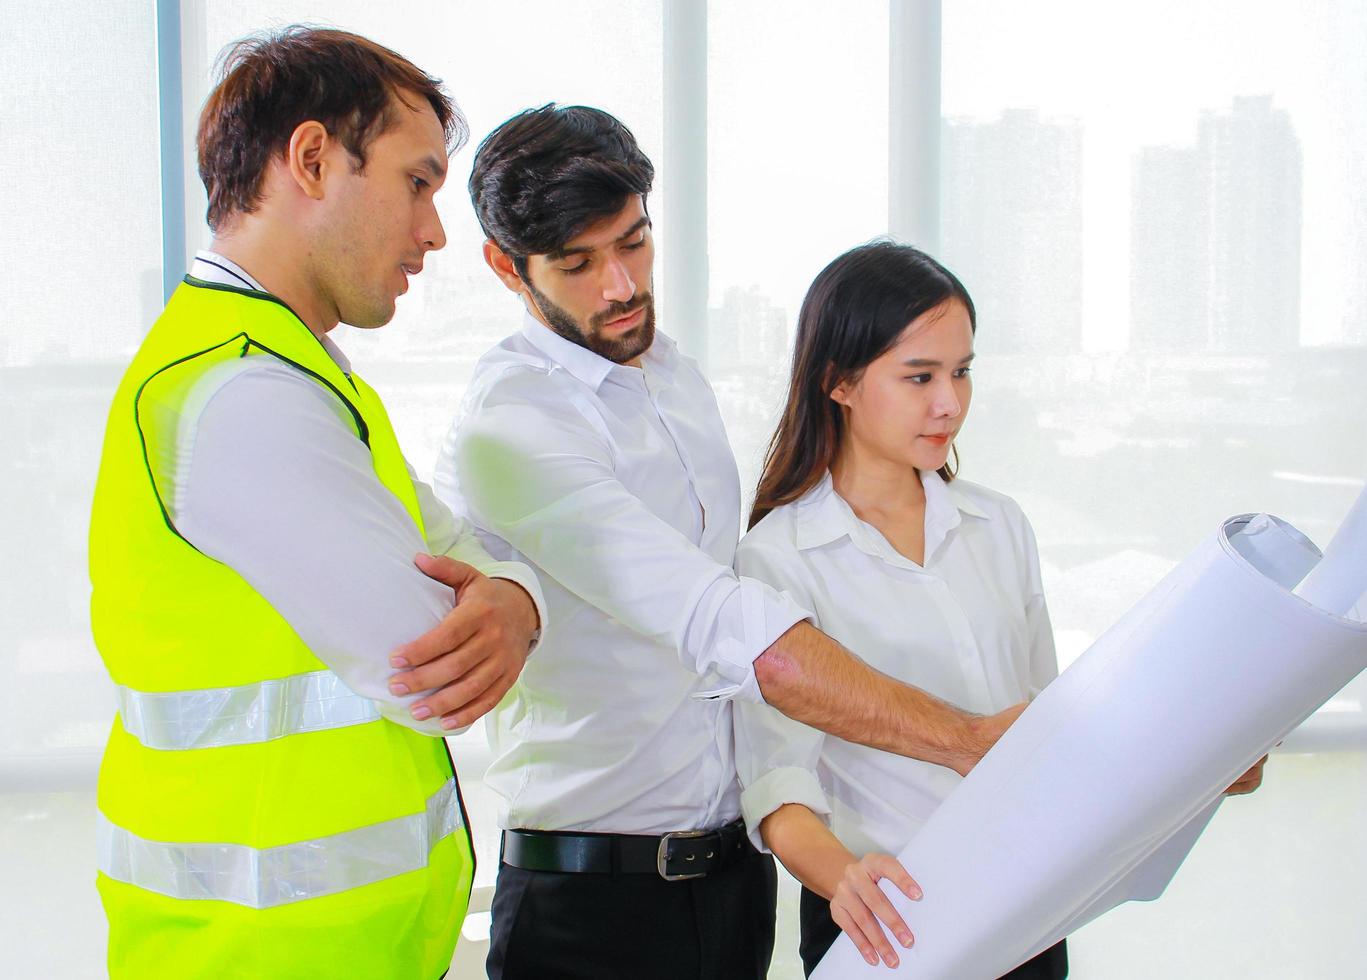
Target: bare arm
814,680
811,853
815,857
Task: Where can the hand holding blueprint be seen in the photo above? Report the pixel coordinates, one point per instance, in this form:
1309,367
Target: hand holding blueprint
1096,795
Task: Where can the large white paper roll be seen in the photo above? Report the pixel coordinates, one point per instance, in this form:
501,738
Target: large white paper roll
1335,584
1099,790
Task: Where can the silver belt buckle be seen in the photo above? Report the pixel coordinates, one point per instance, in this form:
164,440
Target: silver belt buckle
662,855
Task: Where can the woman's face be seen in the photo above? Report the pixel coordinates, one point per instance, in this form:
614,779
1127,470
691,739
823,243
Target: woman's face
909,404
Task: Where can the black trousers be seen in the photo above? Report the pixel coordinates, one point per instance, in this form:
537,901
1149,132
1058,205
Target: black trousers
548,925
819,931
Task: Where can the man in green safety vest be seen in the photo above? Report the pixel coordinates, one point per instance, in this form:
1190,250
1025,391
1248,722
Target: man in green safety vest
275,801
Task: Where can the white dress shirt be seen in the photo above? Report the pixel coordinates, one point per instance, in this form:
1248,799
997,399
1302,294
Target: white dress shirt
970,627
270,478
618,485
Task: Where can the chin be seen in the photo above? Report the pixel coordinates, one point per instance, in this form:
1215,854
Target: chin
371,318
930,463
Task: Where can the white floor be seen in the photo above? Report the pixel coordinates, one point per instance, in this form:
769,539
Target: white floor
1277,888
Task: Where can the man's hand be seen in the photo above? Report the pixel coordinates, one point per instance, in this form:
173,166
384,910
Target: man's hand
1249,781
471,658
981,733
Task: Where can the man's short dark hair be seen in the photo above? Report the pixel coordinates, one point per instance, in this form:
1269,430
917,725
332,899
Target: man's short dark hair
546,174
270,83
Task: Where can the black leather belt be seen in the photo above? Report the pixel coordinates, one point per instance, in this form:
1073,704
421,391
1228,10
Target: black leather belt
675,856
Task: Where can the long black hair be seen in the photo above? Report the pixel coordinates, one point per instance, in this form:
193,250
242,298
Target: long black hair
853,313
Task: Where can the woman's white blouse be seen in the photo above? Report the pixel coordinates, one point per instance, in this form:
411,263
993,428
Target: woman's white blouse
970,627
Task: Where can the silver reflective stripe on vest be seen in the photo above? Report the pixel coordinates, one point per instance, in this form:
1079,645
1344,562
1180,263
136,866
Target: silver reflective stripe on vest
240,715
261,879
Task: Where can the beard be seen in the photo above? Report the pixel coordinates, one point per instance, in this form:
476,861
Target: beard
626,347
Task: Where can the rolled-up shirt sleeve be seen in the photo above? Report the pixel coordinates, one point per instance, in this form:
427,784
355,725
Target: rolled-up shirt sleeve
272,480
776,757
540,475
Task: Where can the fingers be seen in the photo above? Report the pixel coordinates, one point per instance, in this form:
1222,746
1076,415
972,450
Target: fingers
873,868
877,903
472,657
482,704
455,699
887,866
864,931
861,905
455,628
448,571
1249,781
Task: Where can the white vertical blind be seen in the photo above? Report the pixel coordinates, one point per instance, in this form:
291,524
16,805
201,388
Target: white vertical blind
80,246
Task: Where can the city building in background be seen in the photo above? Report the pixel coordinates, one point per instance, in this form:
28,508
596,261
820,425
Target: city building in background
1011,227
1216,236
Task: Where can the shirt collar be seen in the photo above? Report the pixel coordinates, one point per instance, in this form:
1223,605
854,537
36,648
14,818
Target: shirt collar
823,516
591,368
223,271
960,499
212,267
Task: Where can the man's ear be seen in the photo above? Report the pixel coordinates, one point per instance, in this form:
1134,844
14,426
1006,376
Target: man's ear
502,264
307,157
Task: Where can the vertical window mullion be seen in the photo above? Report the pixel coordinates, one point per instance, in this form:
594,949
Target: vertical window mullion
914,122
684,312
170,124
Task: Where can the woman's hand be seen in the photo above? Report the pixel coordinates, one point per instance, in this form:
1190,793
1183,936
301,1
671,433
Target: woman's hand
1249,781
858,900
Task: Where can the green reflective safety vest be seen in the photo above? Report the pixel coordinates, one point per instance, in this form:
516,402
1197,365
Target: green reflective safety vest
256,818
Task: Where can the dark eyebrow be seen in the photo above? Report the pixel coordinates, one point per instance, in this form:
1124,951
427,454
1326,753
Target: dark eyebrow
436,166
561,253
923,362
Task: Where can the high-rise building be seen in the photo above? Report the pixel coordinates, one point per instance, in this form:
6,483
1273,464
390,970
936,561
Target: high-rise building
1215,236
1169,279
747,335
1011,228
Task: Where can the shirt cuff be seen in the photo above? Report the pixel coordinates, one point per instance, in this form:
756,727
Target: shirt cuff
790,784
746,621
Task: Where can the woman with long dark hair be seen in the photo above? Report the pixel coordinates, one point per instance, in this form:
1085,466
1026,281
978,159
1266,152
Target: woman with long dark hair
934,580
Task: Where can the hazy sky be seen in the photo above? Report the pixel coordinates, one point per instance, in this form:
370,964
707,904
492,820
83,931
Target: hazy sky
1139,74
1132,75
798,108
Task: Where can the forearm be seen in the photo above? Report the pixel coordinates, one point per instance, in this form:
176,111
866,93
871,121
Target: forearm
811,853
814,680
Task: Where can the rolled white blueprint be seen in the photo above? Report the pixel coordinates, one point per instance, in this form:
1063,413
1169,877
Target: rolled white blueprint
1336,583
1101,787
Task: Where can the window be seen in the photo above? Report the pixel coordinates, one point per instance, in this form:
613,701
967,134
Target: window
80,245
1159,209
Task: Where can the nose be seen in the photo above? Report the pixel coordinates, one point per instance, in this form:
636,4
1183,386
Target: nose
946,404
617,284
431,234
